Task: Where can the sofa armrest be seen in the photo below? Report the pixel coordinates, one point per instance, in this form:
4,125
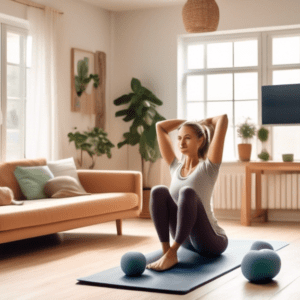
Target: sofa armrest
112,181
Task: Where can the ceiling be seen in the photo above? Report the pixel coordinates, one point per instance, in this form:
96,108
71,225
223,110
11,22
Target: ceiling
121,5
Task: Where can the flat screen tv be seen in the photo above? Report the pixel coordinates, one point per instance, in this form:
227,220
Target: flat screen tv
281,104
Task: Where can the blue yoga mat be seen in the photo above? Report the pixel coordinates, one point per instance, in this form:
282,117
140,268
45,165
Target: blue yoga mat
191,272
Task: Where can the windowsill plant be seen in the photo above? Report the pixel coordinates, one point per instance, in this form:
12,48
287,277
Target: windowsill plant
262,135
245,131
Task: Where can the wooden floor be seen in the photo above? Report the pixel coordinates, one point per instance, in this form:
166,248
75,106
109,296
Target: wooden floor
47,267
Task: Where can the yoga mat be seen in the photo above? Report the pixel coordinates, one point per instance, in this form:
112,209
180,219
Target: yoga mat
191,272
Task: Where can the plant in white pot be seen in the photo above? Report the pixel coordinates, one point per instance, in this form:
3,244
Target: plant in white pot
142,112
245,131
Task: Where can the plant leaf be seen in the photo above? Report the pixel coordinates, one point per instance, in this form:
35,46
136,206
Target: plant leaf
135,85
123,99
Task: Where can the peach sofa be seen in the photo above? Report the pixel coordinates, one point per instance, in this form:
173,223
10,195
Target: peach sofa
116,195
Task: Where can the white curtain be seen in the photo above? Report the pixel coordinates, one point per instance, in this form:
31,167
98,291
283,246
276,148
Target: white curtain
41,109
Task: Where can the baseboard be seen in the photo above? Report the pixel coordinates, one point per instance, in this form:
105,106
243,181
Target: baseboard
279,215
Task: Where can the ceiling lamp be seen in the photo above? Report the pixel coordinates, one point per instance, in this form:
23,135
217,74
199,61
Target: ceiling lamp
200,16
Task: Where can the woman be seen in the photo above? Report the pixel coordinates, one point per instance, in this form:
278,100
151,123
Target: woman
185,207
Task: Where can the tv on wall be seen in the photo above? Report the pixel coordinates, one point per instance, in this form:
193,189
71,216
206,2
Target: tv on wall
281,104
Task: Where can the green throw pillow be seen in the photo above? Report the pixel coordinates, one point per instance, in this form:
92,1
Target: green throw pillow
32,180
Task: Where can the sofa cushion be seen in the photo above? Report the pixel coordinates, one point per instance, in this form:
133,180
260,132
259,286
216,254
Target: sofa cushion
64,167
32,180
62,187
8,179
47,211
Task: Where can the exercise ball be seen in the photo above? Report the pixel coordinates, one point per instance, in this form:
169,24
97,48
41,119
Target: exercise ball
261,266
258,245
133,263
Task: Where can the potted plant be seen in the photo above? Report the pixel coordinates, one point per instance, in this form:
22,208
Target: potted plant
262,135
94,142
82,79
245,131
142,112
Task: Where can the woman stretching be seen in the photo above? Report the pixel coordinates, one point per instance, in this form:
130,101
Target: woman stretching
185,209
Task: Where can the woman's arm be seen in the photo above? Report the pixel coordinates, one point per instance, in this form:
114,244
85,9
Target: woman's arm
213,121
169,125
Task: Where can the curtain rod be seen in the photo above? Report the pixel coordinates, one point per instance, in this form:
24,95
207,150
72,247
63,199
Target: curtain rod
36,5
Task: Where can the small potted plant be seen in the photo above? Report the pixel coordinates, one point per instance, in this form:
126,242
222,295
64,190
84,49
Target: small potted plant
262,135
245,131
94,142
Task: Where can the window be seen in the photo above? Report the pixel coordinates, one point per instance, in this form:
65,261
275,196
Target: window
284,68
223,74
15,66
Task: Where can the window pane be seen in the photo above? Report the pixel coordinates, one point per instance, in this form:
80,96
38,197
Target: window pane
195,88
285,141
13,48
196,57
29,51
217,109
245,53
13,81
195,111
219,87
15,130
286,77
219,55
246,109
246,86
286,50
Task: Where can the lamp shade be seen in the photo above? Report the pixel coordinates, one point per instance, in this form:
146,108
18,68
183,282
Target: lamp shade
200,16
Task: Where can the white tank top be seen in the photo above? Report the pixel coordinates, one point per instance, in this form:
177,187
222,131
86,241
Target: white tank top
202,180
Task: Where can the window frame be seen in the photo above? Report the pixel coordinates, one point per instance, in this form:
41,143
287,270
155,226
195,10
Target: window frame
232,37
265,67
14,25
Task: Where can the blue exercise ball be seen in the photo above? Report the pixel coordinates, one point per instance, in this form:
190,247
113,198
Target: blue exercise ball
258,245
133,263
261,266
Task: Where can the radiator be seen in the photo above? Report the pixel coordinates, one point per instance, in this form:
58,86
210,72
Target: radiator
278,191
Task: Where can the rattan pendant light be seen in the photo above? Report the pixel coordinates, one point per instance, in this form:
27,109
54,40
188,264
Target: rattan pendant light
200,16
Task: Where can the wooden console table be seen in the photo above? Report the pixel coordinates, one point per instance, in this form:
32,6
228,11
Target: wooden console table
259,168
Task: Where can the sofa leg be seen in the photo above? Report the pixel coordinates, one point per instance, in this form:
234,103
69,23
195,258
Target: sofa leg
119,226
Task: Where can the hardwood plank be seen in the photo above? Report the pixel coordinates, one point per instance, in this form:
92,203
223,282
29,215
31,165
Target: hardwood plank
291,292
47,267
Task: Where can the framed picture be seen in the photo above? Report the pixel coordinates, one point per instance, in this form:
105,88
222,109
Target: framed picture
83,94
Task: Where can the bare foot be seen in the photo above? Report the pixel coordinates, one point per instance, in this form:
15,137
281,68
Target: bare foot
166,262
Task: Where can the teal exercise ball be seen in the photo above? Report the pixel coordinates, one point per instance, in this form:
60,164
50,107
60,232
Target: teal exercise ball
260,266
133,263
258,245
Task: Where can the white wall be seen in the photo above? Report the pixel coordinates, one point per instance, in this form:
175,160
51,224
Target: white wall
146,48
87,27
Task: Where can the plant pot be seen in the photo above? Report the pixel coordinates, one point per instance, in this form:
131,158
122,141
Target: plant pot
244,152
145,214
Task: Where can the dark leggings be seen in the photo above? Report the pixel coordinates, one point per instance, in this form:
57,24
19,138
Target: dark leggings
186,220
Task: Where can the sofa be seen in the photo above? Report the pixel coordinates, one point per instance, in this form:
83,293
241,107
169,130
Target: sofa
115,195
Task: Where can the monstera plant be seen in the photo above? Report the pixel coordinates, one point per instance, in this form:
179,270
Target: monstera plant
82,79
141,110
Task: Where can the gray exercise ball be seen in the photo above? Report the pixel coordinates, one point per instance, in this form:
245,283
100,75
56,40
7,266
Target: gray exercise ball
258,245
133,263
261,266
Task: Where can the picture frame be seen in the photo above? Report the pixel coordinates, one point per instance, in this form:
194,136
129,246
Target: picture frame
84,102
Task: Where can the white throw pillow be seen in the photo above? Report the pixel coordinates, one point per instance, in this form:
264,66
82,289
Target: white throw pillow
64,167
